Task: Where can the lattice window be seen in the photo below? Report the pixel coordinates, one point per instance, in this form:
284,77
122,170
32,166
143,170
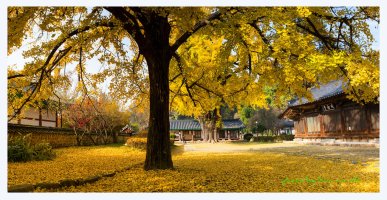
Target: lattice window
375,118
332,122
313,124
222,134
233,134
198,134
299,126
355,120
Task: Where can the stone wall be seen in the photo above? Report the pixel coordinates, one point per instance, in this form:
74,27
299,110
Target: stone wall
374,142
57,137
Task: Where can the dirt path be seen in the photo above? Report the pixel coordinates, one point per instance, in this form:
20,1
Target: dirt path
352,154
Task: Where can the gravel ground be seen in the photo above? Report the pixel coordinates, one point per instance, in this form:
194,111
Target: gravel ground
336,153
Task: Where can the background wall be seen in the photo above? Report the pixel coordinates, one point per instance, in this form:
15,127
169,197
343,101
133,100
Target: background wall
58,137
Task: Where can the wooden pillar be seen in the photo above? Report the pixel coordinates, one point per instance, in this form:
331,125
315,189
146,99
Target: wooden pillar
61,119
40,117
322,127
343,128
228,135
305,121
368,120
56,119
193,134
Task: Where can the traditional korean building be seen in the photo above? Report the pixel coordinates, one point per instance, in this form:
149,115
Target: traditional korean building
48,113
331,118
39,117
285,127
190,129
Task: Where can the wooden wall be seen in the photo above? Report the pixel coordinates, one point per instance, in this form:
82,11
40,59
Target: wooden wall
38,117
348,120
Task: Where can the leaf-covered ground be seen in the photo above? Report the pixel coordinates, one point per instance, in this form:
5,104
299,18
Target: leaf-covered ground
74,163
274,168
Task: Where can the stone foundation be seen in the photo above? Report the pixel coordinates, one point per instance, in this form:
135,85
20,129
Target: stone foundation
370,142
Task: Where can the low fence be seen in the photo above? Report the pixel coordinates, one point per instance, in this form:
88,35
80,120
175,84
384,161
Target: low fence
59,137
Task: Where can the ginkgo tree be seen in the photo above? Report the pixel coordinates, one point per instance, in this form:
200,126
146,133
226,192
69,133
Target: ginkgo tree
201,57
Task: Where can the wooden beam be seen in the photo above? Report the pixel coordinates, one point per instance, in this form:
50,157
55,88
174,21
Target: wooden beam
368,119
322,127
40,117
342,116
305,124
61,119
56,119
193,134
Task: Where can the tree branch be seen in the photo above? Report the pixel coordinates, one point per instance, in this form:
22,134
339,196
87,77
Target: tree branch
129,21
183,38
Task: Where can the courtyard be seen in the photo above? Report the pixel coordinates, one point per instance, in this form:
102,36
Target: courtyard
221,167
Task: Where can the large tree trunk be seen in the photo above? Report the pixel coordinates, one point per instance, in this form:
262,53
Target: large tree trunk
208,125
158,55
202,122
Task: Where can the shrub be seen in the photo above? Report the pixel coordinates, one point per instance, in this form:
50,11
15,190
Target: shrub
43,151
287,137
267,132
19,149
263,139
172,136
140,143
247,136
272,138
136,142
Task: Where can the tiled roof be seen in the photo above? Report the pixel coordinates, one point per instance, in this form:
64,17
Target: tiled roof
193,125
285,123
189,124
232,124
330,89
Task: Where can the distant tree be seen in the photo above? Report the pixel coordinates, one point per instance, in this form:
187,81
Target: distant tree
264,119
246,113
227,112
95,118
78,116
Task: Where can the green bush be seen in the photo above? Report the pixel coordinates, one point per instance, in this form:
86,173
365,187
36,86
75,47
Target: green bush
266,139
272,138
20,150
247,136
263,139
43,151
286,137
172,136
